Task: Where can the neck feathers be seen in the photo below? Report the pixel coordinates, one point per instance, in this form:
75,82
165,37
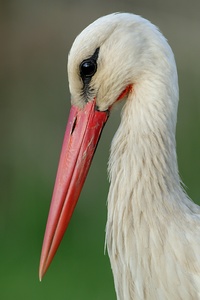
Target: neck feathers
148,211
145,187
143,151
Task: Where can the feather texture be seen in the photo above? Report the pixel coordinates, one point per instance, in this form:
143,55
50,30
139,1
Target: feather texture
153,228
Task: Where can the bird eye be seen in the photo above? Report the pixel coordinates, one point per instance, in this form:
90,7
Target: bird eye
88,68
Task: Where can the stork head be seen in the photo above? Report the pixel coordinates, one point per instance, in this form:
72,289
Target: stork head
106,61
114,52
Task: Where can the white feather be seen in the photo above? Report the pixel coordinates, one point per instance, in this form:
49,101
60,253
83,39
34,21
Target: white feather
153,229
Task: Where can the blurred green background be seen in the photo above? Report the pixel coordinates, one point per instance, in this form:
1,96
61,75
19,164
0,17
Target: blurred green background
34,99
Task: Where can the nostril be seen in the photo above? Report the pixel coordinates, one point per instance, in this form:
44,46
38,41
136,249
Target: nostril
74,125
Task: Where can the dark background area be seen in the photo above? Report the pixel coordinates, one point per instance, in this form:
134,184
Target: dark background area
34,103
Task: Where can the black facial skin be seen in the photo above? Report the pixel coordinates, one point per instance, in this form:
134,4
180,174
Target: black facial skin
88,68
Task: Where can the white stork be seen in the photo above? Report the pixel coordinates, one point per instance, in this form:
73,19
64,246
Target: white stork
153,228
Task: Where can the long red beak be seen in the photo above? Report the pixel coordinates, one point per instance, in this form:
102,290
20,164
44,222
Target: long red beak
82,134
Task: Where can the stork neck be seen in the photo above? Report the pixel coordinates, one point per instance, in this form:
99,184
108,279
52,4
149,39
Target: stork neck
143,152
144,181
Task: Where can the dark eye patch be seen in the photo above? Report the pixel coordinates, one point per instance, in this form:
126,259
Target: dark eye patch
88,68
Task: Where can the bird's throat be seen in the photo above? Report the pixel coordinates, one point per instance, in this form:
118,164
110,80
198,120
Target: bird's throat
143,176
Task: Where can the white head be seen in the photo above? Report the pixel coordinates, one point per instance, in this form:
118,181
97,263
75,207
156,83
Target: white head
131,50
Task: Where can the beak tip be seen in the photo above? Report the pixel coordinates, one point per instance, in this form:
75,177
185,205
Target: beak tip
40,275
42,271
